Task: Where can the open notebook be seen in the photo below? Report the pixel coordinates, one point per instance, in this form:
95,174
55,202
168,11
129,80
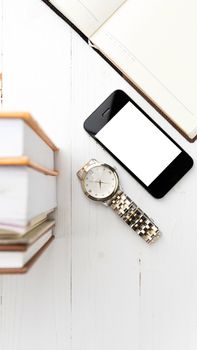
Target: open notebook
152,43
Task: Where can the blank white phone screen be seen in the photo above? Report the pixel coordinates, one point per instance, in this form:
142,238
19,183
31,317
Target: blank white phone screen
138,143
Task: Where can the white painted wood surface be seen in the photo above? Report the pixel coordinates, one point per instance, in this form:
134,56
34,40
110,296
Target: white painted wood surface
98,286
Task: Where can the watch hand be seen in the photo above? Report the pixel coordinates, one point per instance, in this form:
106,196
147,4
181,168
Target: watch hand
94,181
100,182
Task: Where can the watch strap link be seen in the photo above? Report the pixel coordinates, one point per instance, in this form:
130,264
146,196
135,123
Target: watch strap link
86,167
134,217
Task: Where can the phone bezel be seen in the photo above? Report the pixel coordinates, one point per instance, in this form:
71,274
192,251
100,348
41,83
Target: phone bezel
106,111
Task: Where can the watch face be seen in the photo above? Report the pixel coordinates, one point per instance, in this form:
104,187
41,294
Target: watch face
100,182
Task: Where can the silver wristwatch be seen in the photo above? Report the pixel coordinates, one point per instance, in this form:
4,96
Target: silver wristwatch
100,182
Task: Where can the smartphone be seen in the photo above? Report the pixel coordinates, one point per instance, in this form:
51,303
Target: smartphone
128,133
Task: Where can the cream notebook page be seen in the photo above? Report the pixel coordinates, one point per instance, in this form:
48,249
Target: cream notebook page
87,15
154,43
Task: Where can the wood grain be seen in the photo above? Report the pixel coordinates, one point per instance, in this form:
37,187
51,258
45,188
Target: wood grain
98,286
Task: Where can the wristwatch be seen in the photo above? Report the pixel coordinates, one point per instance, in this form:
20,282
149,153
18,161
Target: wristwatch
100,182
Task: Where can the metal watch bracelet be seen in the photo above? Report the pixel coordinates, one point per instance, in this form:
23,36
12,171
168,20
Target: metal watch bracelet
134,217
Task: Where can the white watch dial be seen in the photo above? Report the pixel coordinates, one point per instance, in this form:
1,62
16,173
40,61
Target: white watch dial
100,182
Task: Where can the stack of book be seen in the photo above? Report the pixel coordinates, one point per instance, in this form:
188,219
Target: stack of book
27,191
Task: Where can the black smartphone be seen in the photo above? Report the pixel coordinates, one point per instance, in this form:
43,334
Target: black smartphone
151,156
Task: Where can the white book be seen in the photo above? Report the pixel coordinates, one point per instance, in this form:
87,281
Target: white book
22,243
152,43
25,194
22,254
8,230
21,136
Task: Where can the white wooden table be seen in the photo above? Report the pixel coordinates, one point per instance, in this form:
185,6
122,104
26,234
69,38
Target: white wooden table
99,286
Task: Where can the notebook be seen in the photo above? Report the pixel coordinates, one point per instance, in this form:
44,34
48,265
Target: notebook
152,44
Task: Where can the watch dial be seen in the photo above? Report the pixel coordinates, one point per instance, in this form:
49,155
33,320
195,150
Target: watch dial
100,182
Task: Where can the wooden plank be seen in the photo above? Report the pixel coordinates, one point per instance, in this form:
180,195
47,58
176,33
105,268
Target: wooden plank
121,287
35,308
98,286
1,53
